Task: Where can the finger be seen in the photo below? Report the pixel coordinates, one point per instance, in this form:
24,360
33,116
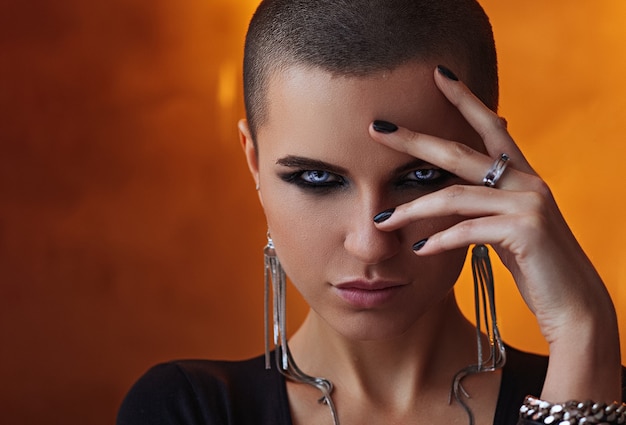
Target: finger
461,200
493,230
491,127
455,157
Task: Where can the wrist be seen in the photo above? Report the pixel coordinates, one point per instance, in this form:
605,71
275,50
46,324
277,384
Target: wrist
585,360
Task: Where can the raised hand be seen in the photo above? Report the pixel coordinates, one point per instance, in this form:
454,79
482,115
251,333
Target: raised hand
520,219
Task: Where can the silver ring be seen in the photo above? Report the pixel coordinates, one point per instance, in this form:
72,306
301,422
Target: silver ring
496,170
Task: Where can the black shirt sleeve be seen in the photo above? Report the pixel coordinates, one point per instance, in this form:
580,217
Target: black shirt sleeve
194,392
522,375
163,396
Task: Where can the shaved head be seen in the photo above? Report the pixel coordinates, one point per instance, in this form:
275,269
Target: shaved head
361,37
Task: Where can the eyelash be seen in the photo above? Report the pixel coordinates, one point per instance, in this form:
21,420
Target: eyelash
296,178
441,177
337,181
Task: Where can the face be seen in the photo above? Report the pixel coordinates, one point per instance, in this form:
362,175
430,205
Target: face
322,179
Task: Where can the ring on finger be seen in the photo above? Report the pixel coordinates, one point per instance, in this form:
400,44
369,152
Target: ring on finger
496,170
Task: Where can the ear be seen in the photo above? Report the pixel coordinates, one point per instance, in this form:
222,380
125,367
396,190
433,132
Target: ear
245,138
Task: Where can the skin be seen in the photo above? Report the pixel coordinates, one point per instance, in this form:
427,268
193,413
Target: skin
392,361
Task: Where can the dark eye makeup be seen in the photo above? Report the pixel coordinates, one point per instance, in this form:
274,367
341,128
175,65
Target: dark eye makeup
313,179
426,178
321,177
323,180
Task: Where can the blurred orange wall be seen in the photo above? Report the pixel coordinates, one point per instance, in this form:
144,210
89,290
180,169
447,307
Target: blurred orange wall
129,227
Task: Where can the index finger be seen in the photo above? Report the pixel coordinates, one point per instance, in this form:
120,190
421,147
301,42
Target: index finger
491,127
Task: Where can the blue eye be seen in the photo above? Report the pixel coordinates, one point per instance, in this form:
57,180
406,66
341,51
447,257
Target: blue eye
314,179
318,177
432,178
425,174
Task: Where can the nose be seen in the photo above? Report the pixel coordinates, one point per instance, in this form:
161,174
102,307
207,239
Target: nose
365,242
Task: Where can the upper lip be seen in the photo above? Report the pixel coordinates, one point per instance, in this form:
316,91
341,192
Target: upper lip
368,285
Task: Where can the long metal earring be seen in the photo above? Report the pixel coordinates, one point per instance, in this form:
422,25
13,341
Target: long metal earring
485,311
275,275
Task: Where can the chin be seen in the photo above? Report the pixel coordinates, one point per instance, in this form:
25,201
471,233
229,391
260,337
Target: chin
372,326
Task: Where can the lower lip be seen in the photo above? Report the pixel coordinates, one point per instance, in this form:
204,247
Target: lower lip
364,298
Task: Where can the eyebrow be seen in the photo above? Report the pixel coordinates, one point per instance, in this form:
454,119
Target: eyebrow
316,164
309,163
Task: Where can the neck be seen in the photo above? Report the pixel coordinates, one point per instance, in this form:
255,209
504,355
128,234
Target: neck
425,357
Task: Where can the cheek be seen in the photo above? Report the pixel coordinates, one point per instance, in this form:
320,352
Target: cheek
302,231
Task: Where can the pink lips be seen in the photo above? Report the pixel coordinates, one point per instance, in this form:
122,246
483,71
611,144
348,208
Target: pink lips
365,295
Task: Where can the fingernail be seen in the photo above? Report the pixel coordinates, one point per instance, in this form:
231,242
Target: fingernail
384,127
419,245
447,73
380,217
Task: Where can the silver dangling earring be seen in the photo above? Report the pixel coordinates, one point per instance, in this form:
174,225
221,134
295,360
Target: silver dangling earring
284,361
275,273
485,310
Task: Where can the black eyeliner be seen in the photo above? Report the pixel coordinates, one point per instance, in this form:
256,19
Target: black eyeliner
295,178
435,184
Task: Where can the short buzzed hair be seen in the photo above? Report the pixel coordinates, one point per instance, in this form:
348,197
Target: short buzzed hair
361,37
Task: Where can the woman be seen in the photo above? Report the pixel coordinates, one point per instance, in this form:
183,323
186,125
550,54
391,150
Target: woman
378,156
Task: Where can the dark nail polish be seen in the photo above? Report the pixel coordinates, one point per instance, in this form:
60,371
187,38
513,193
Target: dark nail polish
384,127
447,73
380,217
419,245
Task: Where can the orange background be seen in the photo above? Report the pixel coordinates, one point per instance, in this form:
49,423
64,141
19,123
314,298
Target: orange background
129,227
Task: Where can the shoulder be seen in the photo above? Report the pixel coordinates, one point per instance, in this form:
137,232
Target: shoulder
207,392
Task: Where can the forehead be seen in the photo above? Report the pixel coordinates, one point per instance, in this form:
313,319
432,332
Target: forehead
313,104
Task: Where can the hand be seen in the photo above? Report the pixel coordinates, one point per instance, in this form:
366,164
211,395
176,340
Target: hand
521,221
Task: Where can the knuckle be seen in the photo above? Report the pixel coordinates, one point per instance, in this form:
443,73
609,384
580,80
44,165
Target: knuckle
414,137
456,155
464,229
530,223
454,191
542,188
460,150
534,201
495,125
539,188
414,141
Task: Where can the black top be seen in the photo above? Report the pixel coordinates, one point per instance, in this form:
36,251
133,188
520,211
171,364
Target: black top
207,392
